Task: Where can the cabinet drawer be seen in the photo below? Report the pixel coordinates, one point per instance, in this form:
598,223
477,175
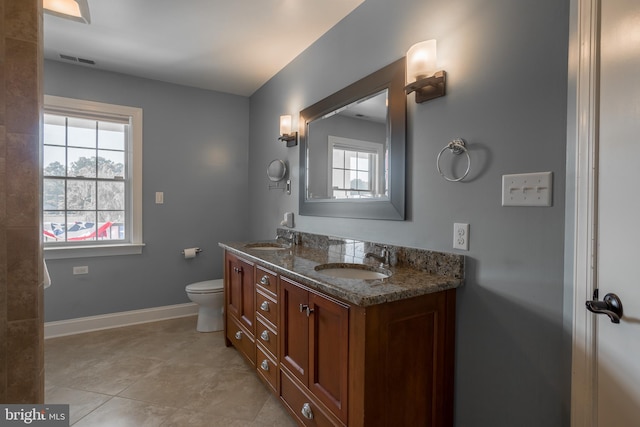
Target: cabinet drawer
304,408
267,368
241,340
267,280
267,307
266,336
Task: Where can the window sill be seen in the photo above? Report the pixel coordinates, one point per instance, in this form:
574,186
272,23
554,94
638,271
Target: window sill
92,251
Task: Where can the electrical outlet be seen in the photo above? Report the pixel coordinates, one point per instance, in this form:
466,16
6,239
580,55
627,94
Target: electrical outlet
81,270
461,236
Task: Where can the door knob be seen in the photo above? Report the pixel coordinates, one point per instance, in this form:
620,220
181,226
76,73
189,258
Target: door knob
610,305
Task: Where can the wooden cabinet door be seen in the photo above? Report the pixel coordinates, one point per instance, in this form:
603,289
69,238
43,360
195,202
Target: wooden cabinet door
314,343
241,296
294,329
329,353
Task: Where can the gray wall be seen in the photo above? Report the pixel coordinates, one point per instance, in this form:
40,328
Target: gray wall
195,150
507,89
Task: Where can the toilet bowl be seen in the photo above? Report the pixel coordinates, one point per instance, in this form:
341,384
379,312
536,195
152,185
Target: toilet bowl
209,295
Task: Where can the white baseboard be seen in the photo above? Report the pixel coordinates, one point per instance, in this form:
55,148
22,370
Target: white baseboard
115,320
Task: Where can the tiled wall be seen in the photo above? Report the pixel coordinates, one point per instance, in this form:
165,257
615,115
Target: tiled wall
21,292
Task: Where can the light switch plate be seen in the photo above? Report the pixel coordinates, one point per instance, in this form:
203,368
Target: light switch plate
288,219
84,269
159,197
527,189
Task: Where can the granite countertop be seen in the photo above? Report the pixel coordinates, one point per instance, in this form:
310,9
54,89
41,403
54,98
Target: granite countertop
414,272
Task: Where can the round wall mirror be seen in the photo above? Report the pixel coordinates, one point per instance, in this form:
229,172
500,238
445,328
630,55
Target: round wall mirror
277,170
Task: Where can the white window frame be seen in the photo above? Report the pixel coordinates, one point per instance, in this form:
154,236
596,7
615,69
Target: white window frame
71,107
362,146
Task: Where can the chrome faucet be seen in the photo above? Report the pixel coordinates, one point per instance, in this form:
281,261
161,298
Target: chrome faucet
384,257
292,238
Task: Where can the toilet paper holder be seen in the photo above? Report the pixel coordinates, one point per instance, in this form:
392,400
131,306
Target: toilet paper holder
198,250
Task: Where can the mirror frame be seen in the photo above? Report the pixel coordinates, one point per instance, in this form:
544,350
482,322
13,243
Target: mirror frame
392,78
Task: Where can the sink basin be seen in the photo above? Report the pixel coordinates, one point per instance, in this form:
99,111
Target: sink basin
267,246
353,271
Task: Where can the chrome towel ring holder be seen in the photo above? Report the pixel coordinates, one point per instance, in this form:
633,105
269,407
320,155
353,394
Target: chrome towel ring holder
457,147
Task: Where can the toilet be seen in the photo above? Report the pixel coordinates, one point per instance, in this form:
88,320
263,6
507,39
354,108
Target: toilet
209,295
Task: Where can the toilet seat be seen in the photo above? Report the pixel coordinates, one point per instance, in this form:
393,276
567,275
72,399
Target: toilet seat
205,287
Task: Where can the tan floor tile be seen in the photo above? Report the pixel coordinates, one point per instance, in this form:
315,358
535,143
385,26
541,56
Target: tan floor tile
107,376
212,353
126,413
184,418
171,384
273,414
236,395
80,402
163,373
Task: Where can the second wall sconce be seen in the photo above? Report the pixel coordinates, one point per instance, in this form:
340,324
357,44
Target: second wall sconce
291,138
423,77
75,10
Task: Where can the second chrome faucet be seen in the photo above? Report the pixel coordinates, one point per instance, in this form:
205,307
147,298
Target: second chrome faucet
384,257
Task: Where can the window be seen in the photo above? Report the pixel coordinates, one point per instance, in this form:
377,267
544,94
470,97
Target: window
355,169
92,178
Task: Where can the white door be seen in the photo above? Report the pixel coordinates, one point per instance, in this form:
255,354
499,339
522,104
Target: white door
618,220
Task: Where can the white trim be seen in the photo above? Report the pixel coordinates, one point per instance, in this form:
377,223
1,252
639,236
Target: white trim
584,356
116,320
92,251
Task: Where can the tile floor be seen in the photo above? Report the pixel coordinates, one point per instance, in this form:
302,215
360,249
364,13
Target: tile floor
157,374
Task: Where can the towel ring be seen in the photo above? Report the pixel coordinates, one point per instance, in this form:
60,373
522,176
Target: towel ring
457,147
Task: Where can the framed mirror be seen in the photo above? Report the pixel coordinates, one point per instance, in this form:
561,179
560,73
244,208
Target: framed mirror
352,149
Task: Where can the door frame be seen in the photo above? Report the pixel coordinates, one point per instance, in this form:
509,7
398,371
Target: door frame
582,139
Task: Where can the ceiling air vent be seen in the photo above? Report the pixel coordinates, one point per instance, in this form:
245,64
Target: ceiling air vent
76,59
69,58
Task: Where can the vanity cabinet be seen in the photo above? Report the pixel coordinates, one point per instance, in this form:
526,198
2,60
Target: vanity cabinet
314,349
401,362
267,335
240,305
335,363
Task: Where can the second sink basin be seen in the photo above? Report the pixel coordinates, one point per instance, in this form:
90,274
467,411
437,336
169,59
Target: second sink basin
353,271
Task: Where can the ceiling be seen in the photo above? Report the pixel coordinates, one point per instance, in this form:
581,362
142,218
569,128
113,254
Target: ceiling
229,46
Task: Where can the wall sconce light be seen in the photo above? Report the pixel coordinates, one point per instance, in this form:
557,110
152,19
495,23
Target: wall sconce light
423,77
75,10
291,138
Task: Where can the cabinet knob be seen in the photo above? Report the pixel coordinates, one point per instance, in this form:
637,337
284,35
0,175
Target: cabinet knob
264,306
239,335
306,411
265,365
237,269
264,280
265,335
